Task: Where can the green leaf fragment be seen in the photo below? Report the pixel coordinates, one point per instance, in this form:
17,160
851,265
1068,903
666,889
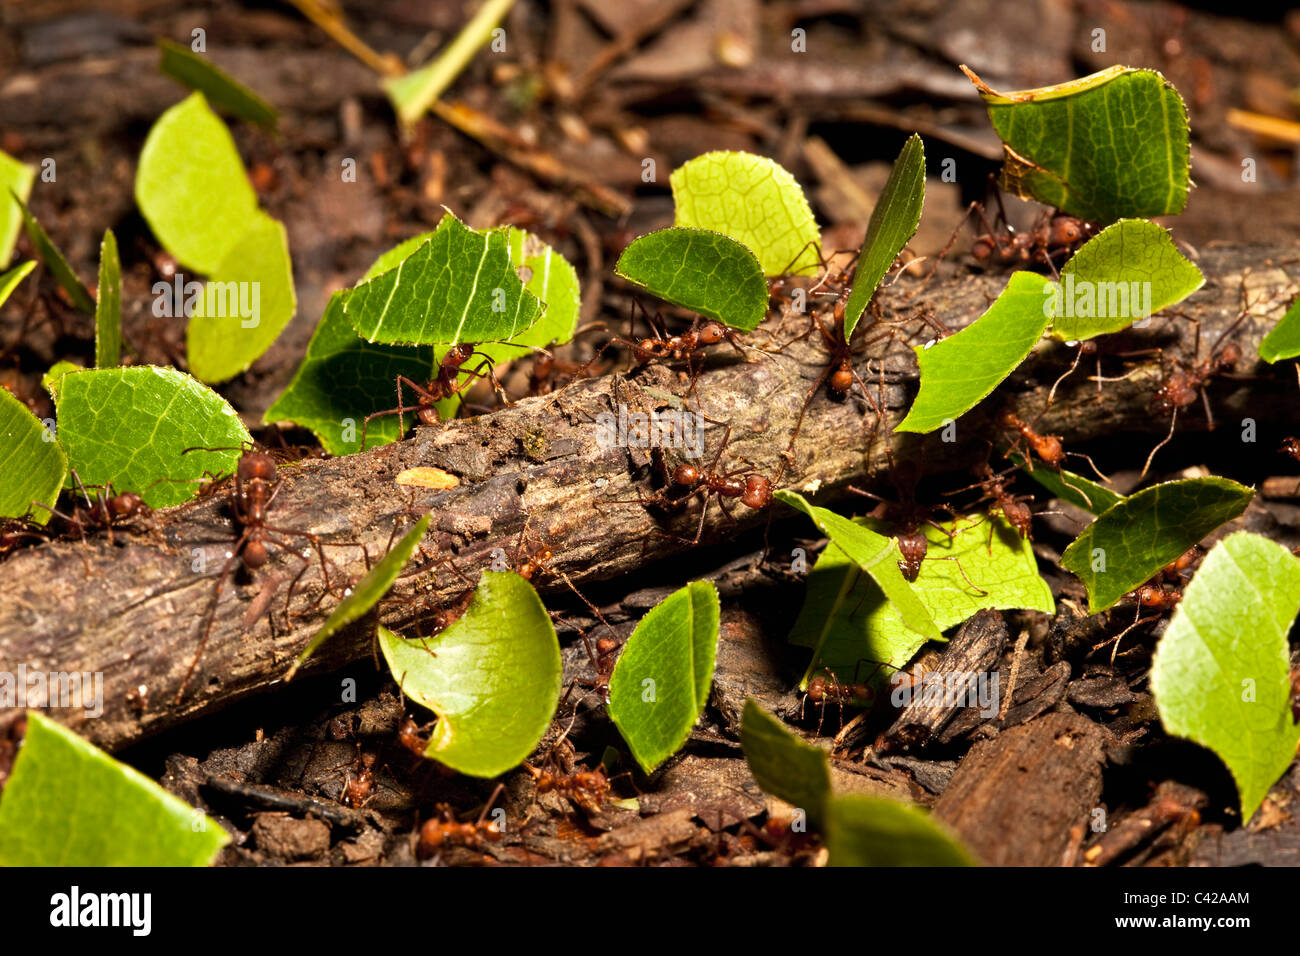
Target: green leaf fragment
893,224
850,626
131,426
54,260
1105,147
1081,492
959,371
367,593
493,677
868,831
416,91
222,91
661,682
1132,540
699,270
108,310
16,178
9,280
32,464
783,765
70,804
1220,674
753,200
875,554
191,186
1127,272
1283,341
457,286
245,305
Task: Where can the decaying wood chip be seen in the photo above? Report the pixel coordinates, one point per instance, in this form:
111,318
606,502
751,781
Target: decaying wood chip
1015,798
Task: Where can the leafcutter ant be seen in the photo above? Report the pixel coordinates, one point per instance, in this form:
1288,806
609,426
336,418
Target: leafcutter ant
828,688
445,831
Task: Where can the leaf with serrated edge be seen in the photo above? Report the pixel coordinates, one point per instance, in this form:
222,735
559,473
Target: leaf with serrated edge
32,464
366,594
1147,530
1283,341
191,186
15,177
68,803
1103,147
699,270
661,682
1220,674
108,310
893,224
221,90
1125,273
245,305
868,831
753,200
876,555
131,426
457,286
846,619
959,371
493,677
55,261
783,765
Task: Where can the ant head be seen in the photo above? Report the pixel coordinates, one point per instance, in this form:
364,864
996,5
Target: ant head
255,554
1148,595
982,248
688,476
257,464
1021,518
1067,230
711,333
606,645
913,547
758,491
817,689
1229,356
1008,419
458,355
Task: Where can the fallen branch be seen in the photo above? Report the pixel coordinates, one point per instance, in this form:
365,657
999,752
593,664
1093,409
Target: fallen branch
133,610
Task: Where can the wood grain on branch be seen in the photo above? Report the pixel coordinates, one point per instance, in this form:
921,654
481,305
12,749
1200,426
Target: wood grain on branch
133,609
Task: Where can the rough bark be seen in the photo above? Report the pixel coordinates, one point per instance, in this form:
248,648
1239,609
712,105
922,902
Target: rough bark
133,609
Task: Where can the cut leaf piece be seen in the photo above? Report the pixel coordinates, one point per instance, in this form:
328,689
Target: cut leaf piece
16,178
191,186
492,677
753,200
9,280
245,305
458,286
876,555
108,310
1104,147
366,594
1066,485
958,372
54,261
867,831
699,270
783,765
415,92
661,682
846,618
893,224
1128,271
54,374
1134,539
131,426
223,92
70,804
1221,672
1283,342
342,379
32,463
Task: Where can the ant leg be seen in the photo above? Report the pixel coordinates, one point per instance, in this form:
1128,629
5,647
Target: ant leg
1173,422
226,569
